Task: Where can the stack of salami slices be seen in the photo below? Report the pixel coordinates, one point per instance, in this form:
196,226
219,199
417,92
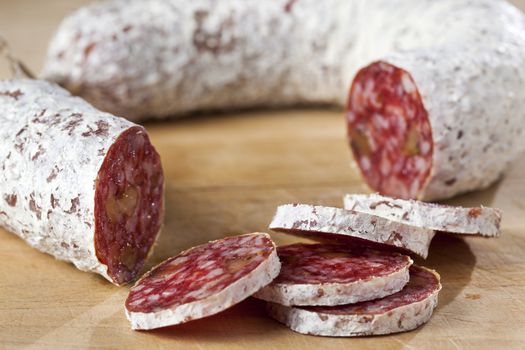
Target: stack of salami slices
359,279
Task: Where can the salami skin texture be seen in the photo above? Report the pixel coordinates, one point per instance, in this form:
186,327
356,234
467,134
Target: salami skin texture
79,184
482,221
335,224
437,110
400,312
202,281
328,274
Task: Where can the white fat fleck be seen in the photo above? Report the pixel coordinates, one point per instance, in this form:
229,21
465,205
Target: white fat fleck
350,116
379,121
424,147
420,164
153,297
207,264
214,273
138,301
365,163
386,166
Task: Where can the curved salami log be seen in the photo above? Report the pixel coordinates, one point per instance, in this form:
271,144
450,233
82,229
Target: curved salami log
334,224
482,221
440,112
327,274
202,281
82,185
400,312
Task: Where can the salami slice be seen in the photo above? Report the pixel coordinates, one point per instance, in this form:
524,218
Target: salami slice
202,281
399,312
482,221
82,185
328,274
335,224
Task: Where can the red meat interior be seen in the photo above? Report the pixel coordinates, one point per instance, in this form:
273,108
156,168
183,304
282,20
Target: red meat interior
128,204
389,131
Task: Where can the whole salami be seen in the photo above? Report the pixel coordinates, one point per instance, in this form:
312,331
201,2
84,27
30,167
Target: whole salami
328,274
438,109
399,312
202,281
80,184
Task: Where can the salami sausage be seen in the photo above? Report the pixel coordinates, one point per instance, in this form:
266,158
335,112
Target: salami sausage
202,281
399,312
440,112
82,185
482,221
335,224
327,274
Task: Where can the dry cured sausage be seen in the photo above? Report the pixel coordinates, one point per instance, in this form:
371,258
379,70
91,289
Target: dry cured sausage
77,183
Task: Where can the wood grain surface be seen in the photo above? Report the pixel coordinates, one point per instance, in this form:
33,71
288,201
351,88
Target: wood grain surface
225,174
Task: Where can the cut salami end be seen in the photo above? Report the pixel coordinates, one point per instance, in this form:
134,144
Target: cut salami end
82,185
128,204
389,131
482,221
399,312
202,281
327,274
335,224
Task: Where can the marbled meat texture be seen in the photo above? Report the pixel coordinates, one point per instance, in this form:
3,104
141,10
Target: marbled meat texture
399,312
202,281
80,184
328,274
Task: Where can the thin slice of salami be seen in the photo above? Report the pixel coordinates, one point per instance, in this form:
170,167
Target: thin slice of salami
399,312
482,221
202,281
335,224
328,274
82,185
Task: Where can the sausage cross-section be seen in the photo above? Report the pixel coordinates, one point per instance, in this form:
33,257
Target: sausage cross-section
77,183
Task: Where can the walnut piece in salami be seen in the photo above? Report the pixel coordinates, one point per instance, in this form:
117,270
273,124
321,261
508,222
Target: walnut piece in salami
438,109
484,221
399,312
77,183
328,274
335,224
202,281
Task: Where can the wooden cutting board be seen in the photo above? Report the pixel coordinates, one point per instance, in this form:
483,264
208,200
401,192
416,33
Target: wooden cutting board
225,174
